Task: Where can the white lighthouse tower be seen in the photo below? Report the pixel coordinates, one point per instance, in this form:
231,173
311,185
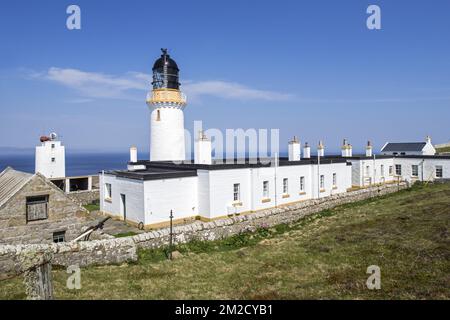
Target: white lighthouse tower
50,158
166,103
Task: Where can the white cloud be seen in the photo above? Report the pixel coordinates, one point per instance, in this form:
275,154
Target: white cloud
134,85
232,90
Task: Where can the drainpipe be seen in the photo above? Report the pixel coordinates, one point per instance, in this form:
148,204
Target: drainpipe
275,178
374,169
318,176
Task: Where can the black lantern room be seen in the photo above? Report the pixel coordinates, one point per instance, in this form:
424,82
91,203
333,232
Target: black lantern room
165,72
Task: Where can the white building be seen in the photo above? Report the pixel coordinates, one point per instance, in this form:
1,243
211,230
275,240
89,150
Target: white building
409,148
50,158
149,191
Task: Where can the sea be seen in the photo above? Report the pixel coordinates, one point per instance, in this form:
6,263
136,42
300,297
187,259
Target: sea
77,164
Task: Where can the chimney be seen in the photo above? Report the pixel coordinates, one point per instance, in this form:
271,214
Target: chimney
346,149
202,152
321,149
133,154
294,150
306,151
369,149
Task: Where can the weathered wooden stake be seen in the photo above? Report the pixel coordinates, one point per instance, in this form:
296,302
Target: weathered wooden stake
37,269
38,282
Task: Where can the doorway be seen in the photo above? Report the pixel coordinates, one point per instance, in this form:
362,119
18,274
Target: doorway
123,206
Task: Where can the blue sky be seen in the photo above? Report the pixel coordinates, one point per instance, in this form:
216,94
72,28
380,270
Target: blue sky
309,68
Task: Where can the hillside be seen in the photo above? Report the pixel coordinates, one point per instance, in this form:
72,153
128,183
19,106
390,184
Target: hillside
322,257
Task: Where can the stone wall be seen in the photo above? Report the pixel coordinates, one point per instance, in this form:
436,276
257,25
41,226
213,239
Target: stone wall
63,214
115,251
85,197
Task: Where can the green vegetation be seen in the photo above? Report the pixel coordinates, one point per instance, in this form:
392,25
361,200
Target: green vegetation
444,149
324,256
125,234
92,207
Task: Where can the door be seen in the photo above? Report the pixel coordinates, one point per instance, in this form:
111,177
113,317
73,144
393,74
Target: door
123,206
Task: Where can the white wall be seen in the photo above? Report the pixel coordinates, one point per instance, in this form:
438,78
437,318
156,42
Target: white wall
361,176
43,159
134,197
429,168
220,186
221,191
178,194
167,134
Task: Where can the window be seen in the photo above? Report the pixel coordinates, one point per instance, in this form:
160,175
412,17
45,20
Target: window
108,191
415,170
37,208
236,192
398,169
53,146
266,189
334,180
285,186
53,159
158,115
439,172
367,170
59,236
302,184
382,170
322,182
391,170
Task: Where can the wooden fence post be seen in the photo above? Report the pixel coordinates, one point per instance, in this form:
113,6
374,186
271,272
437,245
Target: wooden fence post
37,269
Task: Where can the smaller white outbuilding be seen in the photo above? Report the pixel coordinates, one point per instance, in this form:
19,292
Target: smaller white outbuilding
409,148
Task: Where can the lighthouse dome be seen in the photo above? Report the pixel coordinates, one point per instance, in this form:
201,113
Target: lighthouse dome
165,72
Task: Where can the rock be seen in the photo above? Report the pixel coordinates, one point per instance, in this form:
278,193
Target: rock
176,255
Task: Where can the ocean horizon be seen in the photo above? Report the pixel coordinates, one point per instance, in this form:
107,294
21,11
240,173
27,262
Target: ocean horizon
79,163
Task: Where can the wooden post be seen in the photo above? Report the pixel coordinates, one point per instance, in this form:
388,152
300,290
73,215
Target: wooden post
38,282
171,235
37,269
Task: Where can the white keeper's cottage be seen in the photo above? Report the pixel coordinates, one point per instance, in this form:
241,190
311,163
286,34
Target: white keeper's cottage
207,188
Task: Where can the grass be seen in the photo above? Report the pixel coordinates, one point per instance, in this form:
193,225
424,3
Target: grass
125,234
324,256
92,207
444,149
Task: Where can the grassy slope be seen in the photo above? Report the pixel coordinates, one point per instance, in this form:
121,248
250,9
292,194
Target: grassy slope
322,257
445,149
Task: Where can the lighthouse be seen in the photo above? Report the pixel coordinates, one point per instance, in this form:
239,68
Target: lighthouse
166,103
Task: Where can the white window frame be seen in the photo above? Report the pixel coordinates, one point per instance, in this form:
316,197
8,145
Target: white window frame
441,170
398,169
108,191
266,189
391,170
414,170
382,170
285,186
322,182
334,179
237,192
302,184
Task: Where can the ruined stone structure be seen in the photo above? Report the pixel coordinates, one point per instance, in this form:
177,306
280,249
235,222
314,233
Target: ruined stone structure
34,210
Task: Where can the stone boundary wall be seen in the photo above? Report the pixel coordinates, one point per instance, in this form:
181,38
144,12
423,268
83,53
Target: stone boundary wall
85,197
119,250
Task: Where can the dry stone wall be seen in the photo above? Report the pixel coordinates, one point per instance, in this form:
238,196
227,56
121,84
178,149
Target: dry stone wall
119,250
85,197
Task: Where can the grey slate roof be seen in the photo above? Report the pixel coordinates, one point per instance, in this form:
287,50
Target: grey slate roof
404,146
11,181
